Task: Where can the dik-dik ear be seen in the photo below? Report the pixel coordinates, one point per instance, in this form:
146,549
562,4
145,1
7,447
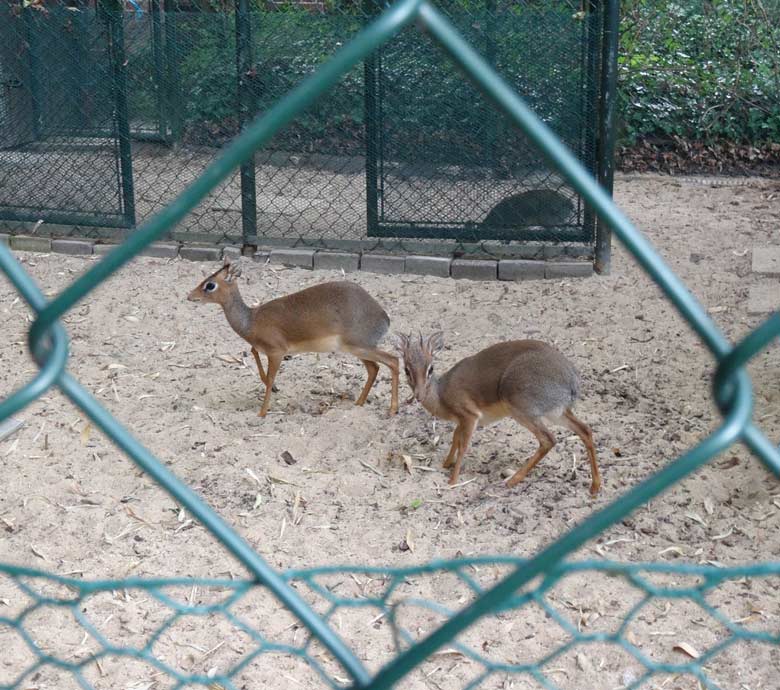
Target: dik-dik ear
232,271
435,342
400,342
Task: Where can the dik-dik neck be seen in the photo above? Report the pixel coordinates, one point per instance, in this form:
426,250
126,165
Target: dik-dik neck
238,314
432,399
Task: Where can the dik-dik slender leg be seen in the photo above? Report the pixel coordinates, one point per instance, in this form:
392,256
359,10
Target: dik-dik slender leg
583,431
381,357
466,428
449,461
274,362
373,369
546,442
263,376
260,371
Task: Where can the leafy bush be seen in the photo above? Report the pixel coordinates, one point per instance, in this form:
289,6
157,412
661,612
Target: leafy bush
700,70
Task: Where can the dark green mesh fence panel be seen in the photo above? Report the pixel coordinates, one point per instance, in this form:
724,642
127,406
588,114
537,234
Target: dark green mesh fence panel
447,159
147,69
310,181
66,632
62,117
400,148
189,98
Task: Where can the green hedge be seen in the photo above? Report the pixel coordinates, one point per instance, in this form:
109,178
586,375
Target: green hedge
700,70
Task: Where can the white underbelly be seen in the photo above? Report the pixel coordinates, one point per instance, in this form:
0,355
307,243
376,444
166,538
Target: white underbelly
493,413
330,343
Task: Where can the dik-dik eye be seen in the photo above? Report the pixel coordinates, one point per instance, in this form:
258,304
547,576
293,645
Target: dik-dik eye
408,373
210,287
430,371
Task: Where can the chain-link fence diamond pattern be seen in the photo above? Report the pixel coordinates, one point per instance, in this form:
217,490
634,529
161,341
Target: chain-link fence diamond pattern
41,610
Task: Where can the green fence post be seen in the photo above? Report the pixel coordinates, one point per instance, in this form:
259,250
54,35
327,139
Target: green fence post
606,141
495,117
172,87
371,124
155,14
115,19
245,70
33,66
80,55
592,28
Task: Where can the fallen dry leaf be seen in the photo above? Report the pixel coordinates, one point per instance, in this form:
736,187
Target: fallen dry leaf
672,549
85,433
253,475
725,534
696,518
407,544
584,664
279,480
686,648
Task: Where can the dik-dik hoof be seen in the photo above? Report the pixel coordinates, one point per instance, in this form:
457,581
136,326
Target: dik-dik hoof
512,482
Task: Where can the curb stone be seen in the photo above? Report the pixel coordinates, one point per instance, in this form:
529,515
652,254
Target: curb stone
388,264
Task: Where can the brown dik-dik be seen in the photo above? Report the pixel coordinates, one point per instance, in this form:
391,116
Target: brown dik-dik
330,317
527,380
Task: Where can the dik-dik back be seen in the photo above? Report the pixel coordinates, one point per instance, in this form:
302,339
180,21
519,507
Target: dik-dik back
528,373
323,318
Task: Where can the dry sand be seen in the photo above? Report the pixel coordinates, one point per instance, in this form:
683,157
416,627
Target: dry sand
175,374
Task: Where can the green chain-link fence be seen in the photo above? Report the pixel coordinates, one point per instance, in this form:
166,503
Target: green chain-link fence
62,154
87,611
40,608
400,152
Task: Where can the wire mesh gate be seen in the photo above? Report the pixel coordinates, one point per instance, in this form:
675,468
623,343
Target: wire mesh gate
446,164
402,148
64,144
525,584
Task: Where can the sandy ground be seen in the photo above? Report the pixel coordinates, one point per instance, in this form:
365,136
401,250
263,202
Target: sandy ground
175,374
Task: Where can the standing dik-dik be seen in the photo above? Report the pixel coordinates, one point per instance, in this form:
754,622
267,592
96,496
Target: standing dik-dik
330,317
527,380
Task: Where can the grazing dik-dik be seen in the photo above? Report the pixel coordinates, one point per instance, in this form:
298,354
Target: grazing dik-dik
330,317
527,380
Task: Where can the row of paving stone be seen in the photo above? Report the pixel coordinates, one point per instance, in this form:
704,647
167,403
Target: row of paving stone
443,267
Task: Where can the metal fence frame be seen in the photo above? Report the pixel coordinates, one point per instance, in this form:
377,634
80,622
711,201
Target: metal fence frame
599,68
731,390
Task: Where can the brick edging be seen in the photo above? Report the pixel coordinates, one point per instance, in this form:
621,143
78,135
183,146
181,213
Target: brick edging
440,266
